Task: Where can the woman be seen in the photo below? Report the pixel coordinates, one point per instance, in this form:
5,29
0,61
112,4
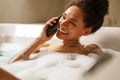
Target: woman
81,18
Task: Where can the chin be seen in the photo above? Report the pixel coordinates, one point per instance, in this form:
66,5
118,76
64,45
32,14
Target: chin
60,37
63,38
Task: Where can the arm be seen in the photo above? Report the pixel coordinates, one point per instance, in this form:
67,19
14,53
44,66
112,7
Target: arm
4,75
38,48
24,54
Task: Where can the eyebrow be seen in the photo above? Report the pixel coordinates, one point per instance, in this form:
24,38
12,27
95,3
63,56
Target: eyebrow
71,18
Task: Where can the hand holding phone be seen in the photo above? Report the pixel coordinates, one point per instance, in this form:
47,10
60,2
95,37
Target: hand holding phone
51,29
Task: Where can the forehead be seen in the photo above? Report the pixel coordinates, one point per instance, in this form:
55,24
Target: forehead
74,11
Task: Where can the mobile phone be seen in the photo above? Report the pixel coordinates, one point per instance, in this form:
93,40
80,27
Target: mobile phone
51,29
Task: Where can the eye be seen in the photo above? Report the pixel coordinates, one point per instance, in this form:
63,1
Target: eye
72,23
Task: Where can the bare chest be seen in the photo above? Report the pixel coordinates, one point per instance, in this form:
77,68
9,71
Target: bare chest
80,50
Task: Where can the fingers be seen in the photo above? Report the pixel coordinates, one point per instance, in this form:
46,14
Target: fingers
51,21
47,24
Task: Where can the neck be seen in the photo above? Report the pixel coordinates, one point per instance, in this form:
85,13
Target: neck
71,43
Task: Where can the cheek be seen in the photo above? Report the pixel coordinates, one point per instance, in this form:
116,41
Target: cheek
76,32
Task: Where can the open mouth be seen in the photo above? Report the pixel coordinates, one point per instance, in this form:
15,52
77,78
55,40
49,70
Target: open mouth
64,32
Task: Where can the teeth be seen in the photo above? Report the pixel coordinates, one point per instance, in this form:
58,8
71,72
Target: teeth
62,31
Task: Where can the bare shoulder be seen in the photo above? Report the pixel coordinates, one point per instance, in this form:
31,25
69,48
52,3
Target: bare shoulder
94,48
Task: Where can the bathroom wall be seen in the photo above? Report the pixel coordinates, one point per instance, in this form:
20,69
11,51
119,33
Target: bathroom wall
37,11
29,11
113,19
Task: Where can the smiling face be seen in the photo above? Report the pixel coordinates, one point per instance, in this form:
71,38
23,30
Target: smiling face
72,26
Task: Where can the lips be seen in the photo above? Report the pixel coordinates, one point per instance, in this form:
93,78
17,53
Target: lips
62,31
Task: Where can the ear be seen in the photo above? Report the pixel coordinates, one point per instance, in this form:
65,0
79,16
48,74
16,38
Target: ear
87,31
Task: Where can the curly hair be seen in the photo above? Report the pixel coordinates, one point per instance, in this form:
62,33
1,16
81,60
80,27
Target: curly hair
94,12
